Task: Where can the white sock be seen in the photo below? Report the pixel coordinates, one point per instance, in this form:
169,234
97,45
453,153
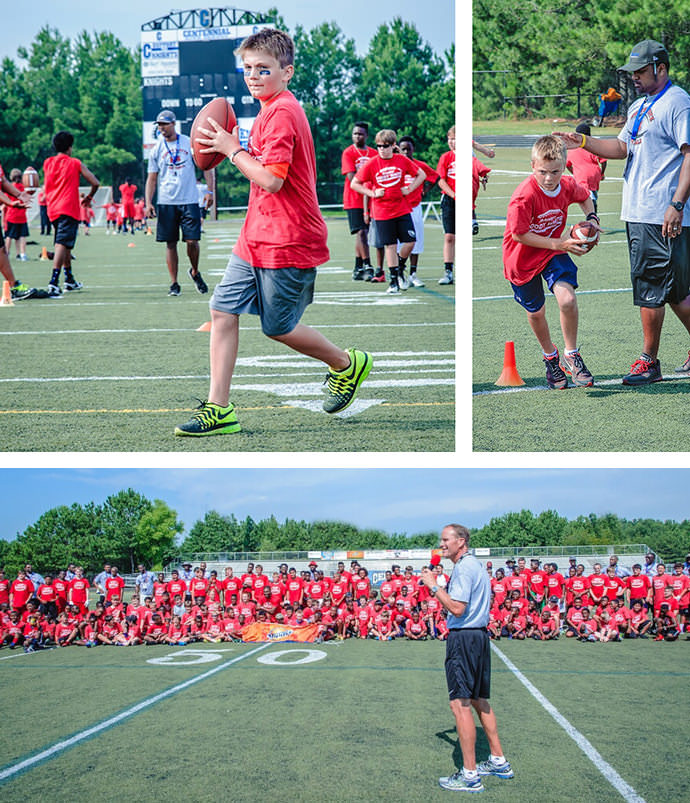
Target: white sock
497,759
469,773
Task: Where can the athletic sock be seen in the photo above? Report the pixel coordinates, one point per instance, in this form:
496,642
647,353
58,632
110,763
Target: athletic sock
55,276
367,263
470,774
401,263
497,759
358,263
448,266
646,357
570,352
553,354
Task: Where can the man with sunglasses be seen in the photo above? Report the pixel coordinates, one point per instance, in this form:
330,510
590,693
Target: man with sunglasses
655,141
171,171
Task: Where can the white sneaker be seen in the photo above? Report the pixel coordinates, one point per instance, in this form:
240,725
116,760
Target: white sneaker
415,282
458,782
54,291
447,279
488,767
75,285
393,290
402,281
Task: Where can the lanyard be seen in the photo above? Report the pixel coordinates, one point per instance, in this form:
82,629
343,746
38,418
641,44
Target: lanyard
177,149
642,112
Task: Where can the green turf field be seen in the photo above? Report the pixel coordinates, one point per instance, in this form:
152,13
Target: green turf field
116,366
362,721
606,417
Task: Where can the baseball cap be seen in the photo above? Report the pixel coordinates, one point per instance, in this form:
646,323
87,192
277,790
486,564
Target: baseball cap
489,564
553,599
643,53
313,563
166,116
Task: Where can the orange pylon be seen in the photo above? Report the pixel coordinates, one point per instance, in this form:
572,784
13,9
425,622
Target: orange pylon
6,300
44,255
205,327
509,375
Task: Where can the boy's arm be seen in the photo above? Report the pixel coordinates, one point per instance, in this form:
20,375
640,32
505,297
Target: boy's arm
417,182
562,243
490,152
443,184
357,186
93,181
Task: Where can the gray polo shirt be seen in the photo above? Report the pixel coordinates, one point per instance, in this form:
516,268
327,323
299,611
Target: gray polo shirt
470,583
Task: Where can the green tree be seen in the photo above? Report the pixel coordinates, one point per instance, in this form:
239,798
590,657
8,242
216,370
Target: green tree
399,73
120,515
154,535
213,533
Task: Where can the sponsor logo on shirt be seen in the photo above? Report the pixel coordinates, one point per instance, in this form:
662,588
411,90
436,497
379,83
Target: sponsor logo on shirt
545,225
389,176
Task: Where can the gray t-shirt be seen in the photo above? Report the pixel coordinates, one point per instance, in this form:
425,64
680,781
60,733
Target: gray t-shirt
176,174
654,157
470,583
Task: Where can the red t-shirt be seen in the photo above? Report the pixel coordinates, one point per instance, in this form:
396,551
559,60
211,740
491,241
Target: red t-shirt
537,581
127,197
659,583
285,228
532,210
614,586
578,586
638,585
388,174
16,214
597,586
446,168
62,173
4,591
21,592
113,587
585,167
351,161
681,589
231,585
479,170
499,588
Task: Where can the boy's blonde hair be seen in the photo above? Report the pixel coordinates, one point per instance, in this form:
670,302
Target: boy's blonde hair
451,132
272,41
386,136
550,149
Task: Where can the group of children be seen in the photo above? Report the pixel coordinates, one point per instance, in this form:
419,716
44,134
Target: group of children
383,194
603,606
205,608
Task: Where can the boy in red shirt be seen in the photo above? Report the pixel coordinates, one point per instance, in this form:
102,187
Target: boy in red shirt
535,226
446,181
273,266
383,180
354,157
16,226
62,173
586,167
480,175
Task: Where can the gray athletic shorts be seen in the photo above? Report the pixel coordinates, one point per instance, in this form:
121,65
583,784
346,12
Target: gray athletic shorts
659,266
278,296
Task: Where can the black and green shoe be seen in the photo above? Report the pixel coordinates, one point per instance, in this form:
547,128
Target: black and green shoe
210,419
343,385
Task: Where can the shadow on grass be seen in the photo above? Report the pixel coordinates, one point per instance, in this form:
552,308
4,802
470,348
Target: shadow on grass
450,736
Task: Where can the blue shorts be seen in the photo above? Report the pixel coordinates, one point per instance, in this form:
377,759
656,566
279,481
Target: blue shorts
278,296
560,268
173,217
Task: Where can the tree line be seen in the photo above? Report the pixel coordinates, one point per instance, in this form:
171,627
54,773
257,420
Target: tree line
554,47
128,529
91,86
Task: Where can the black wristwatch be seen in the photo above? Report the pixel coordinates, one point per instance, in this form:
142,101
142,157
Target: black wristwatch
678,205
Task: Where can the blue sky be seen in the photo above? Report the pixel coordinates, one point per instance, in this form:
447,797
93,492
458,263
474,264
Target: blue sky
356,18
406,500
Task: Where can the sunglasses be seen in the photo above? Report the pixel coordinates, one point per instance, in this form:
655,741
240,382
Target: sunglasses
388,145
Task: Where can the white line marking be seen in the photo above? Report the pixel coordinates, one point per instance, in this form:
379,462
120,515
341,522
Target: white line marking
622,787
59,747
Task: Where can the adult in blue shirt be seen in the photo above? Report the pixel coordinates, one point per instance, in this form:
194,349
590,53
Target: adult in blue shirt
467,600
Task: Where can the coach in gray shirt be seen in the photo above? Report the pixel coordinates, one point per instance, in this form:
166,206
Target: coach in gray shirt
655,142
467,599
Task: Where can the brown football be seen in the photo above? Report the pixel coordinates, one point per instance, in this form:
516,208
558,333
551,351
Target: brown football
30,179
223,113
586,234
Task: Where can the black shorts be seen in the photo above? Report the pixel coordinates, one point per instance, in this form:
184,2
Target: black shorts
355,217
66,229
173,217
448,214
659,266
2,239
396,230
16,230
468,664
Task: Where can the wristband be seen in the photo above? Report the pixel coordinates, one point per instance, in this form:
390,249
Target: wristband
592,216
584,139
434,590
234,154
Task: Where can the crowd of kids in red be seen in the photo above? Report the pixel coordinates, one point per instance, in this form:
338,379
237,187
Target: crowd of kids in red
199,606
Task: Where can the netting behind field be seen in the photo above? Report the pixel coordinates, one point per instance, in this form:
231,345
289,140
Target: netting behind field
103,196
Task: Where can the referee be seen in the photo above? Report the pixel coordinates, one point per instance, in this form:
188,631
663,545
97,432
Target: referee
468,659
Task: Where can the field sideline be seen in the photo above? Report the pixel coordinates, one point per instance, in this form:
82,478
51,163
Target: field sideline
116,366
608,417
352,721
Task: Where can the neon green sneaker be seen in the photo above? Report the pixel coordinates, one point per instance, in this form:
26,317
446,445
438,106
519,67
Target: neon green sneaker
343,385
210,419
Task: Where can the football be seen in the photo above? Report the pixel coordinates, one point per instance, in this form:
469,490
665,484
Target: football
30,179
586,233
222,112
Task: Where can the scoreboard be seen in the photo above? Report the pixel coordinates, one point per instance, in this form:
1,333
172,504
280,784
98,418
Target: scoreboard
183,68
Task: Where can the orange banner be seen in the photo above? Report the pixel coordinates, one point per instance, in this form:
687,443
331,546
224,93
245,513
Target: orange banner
260,631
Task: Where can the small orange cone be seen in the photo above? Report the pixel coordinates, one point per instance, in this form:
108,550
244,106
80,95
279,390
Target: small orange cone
6,300
44,255
148,230
131,245
509,375
205,327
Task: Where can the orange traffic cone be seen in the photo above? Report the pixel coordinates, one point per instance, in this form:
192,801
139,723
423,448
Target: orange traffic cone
509,375
131,245
6,300
44,255
205,327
